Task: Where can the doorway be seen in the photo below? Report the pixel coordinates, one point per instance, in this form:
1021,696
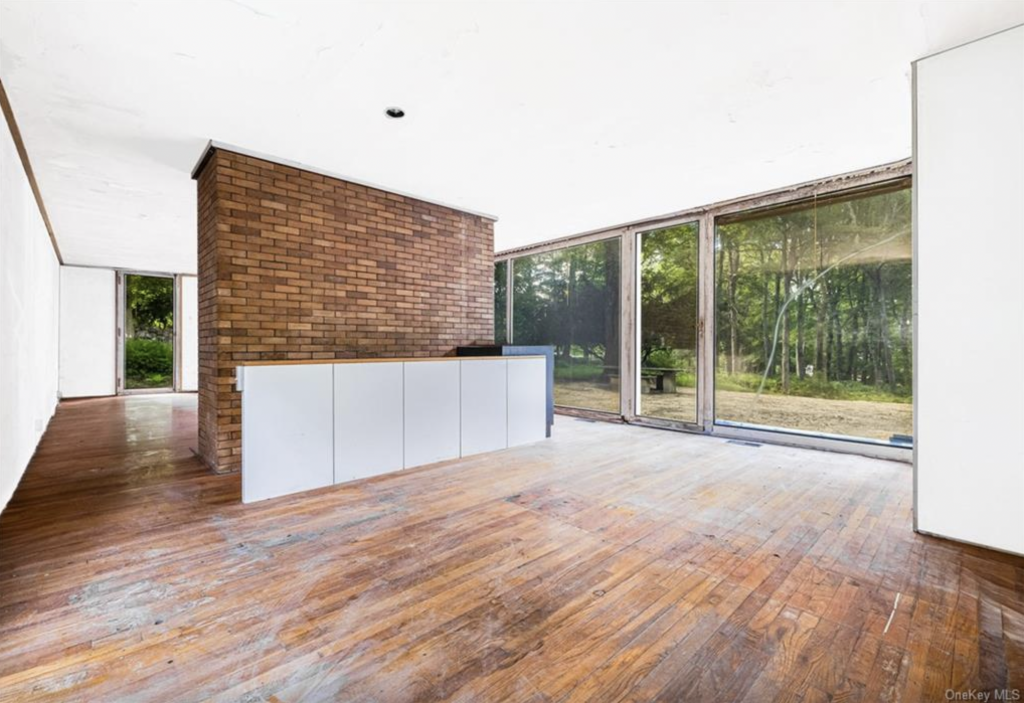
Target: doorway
668,330
146,339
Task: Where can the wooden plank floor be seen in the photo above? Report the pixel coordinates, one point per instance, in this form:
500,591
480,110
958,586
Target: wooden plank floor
611,563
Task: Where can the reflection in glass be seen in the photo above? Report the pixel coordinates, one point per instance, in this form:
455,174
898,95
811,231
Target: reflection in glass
813,316
668,323
570,299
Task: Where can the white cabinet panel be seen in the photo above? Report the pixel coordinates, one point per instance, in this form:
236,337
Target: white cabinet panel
367,420
484,405
287,430
431,412
527,402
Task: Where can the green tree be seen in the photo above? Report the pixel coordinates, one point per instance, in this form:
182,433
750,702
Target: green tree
149,304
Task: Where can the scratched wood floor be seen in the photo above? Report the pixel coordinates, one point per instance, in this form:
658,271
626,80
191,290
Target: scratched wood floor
610,563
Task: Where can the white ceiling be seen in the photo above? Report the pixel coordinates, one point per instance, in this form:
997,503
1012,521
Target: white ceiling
557,117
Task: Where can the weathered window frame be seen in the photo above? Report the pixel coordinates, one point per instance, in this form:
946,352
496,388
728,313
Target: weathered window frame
706,216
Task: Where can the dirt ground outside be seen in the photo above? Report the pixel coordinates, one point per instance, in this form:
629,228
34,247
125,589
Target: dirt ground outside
854,418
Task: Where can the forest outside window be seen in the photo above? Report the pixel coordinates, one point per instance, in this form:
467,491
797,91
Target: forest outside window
569,298
813,306
148,332
668,323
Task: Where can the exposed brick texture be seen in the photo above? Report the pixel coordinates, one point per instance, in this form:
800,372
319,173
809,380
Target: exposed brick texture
295,265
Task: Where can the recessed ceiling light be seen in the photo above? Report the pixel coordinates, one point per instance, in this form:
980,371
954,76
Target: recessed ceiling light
395,113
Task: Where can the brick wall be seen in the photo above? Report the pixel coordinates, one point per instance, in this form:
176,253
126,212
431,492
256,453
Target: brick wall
296,265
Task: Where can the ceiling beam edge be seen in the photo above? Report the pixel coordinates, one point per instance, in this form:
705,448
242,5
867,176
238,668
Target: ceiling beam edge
12,125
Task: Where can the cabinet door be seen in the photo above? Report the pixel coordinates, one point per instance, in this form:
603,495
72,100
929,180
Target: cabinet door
431,411
484,405
367,420
527,400
287,433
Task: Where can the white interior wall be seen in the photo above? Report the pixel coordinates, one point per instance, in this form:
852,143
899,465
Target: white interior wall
188,326
969,185
29,294
87,332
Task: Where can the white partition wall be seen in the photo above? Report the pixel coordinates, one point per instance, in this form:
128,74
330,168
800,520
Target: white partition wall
289,438
484,405
431,412
527,401
368,420
969,237
88,317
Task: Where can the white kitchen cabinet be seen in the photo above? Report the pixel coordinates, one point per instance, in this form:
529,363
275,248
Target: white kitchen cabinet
527,401
368,420
309,425
431,415
287,430
484,409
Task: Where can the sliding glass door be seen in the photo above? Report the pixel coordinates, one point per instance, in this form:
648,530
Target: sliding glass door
569,298
813,317
667,322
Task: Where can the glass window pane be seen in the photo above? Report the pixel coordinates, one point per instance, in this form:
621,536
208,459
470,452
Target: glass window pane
813,317
668,323
500,302
569,298
149,332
